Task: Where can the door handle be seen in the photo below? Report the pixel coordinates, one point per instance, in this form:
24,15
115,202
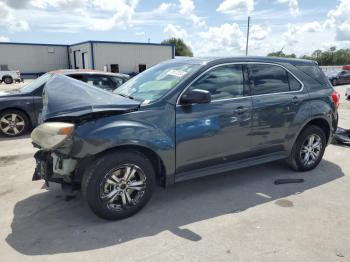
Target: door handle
295,100
240,110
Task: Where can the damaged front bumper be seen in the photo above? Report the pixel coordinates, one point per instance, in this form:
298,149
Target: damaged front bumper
53,167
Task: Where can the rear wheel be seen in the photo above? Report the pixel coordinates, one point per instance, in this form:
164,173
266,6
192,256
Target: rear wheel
118,185
13,123
308,149
8,80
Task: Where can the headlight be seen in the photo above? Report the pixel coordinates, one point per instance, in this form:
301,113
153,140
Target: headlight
50,135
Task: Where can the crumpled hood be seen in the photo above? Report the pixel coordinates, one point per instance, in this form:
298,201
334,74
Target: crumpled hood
65,97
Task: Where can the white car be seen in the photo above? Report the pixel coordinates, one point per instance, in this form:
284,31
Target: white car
8,77
347,92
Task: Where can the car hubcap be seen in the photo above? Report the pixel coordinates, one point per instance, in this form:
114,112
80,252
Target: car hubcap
12,124
311,150
123,187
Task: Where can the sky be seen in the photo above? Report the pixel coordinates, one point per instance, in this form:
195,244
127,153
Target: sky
210,28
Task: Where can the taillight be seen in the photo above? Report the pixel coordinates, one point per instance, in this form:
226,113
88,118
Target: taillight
336,99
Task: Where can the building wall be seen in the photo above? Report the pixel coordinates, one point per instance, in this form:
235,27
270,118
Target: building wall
129,56
30,58
79,50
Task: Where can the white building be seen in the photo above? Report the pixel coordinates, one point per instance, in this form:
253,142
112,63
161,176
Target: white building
123,57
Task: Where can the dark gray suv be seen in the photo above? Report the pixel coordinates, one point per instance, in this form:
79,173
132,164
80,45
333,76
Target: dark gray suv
182,119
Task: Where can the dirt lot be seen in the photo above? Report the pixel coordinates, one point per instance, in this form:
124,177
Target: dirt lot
241,216
4,86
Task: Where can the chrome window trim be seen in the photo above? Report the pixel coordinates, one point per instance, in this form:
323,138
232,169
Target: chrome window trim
243,63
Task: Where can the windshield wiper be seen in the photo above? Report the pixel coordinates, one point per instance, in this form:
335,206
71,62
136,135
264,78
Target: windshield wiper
124,95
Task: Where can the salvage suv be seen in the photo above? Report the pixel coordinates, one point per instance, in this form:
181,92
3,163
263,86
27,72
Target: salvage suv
179,120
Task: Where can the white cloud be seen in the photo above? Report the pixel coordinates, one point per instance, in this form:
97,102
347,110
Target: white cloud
259,33
311,27
9,21
293,6
187,8
339,19
4,39
236,6
224,40
17,4
163,8
141,33
61,4
175,31
292,36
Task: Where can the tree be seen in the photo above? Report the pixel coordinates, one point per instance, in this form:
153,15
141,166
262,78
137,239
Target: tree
281,54
181,49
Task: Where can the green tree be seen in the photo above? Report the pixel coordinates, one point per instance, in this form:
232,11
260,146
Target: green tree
281,54
181,49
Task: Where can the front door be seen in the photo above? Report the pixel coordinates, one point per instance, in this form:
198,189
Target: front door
217,132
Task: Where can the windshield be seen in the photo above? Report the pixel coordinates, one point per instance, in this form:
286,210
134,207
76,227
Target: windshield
156,81
36,83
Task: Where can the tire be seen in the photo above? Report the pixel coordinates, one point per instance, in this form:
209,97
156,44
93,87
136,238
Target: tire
8,80
297,157
13,123
97,187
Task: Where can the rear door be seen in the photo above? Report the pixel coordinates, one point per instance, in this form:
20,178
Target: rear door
277,96
217,132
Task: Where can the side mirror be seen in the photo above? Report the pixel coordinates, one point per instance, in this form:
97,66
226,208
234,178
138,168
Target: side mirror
196,96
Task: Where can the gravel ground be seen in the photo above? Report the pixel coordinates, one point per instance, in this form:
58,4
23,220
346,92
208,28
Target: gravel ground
239,216
4,87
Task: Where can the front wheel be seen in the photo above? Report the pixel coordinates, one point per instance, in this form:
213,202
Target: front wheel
8,80
308,149
13,123
118,184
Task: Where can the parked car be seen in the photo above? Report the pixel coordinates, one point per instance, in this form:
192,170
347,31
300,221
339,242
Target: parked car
182,119
342,77
9,76
20,109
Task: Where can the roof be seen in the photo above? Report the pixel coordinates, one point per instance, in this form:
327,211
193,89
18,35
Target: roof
262,59
87,42
85,71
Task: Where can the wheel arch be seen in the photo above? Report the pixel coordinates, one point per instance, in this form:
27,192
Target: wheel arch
156,161
4,76
321,122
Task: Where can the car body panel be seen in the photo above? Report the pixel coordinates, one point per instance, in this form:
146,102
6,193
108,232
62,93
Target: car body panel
222,134
70,98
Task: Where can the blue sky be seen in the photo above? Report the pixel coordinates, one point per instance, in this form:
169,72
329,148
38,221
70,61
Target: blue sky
211,28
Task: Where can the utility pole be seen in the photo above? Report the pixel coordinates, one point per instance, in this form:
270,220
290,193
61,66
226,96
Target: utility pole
246,48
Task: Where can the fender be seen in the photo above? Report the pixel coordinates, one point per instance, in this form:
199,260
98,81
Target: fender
153,130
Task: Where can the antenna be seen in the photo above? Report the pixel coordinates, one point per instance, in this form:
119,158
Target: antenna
246,48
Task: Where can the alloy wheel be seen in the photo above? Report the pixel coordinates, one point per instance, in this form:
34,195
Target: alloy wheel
12,124
123,187
311,150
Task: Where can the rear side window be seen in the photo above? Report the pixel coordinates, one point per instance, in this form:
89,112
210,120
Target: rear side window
293,83
267,79
314,72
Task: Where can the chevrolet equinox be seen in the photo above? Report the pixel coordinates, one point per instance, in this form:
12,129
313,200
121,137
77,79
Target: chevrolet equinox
181,119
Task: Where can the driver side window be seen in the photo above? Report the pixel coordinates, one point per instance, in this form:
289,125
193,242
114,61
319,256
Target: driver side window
223,82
